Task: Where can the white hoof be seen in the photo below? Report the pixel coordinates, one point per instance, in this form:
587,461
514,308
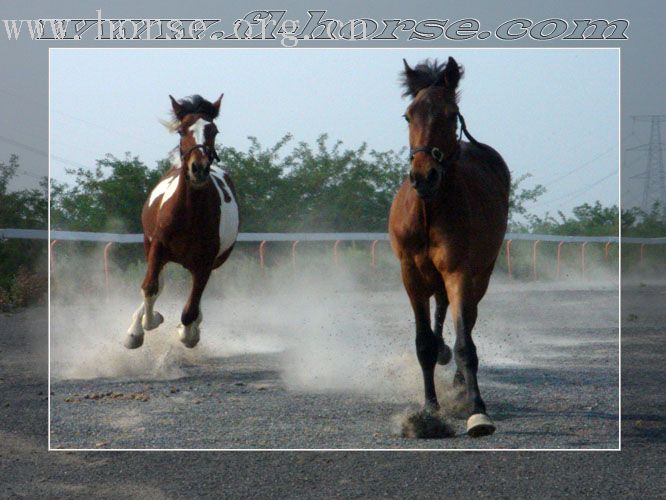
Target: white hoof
152,323
133,341
479,425
188,335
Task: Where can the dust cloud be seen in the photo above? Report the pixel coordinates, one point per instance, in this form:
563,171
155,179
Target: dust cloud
325,327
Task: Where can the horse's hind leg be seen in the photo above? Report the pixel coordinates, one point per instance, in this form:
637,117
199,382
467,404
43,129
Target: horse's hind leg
443,351
188,330
145,318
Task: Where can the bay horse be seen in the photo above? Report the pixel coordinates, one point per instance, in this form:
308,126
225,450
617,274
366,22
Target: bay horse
446,227
190,217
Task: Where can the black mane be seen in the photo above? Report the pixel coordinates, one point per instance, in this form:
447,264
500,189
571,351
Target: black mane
195,104
426,74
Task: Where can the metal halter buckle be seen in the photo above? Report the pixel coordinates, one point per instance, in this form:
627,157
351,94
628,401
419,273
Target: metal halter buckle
437,154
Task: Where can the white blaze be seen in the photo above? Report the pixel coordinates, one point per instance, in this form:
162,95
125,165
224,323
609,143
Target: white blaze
197,129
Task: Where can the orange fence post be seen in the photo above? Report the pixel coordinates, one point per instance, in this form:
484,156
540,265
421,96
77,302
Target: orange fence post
372,250
293,254
107,247
582,257
508,257
534,259
261,254
335,251
606,246
559,257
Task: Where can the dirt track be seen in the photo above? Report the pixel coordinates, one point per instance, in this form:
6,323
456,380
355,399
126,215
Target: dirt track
549,375
28,470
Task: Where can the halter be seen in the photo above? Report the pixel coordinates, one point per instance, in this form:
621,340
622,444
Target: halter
438,155
210,153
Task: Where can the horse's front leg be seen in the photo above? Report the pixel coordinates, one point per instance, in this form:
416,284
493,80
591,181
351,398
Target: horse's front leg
426,341
464,310
188,330
145,318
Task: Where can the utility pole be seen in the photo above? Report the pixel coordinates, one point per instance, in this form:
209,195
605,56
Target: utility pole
654,188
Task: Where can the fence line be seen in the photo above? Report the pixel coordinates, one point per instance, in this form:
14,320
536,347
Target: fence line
42,234
295,238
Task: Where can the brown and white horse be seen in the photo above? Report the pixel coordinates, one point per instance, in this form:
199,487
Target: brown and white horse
191,218
446,225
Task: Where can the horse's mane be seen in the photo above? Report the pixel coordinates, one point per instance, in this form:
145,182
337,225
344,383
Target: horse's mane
425,74
195,104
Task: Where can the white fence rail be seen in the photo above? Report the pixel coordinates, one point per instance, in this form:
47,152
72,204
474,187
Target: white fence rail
42,234
295,238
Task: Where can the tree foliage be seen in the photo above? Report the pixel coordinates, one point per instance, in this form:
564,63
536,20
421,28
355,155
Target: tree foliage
25,209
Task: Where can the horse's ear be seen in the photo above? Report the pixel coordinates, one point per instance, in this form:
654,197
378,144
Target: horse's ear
217,103
451,74
409,80
175,105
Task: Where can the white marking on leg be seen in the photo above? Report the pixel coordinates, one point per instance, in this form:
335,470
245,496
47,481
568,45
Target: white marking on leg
152,319
135,329
189,334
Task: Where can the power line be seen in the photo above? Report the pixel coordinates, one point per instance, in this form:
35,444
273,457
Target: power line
654,188
579,167
576,192
41,152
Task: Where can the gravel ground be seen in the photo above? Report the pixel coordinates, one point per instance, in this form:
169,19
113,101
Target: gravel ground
28,470
563,393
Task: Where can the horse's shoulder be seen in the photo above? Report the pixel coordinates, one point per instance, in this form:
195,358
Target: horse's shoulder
403,216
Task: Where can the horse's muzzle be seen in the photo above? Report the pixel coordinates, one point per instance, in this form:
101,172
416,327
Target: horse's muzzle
426,186
199,173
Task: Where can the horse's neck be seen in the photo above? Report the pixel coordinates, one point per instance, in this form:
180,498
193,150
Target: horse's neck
446,209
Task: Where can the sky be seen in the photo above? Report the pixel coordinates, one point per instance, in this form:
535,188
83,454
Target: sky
550,113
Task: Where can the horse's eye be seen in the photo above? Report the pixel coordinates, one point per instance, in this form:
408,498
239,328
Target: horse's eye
406,118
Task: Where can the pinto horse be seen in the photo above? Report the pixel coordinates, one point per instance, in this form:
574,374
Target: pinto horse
446,225
191,217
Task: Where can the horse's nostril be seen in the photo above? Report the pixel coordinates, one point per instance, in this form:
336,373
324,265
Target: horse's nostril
412,178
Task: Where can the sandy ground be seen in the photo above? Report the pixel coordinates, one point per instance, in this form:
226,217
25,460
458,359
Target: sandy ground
28,470
333,369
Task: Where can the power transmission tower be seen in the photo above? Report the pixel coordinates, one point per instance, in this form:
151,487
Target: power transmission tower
654,188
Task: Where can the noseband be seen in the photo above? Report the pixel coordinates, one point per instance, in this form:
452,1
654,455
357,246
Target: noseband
437,154
210,153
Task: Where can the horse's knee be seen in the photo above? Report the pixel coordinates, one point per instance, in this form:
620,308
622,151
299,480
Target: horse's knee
466,356
426,348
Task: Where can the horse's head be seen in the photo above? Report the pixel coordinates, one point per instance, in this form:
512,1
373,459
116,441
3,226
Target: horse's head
433,117
194,123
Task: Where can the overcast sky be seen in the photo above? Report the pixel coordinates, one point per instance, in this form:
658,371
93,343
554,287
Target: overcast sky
552,113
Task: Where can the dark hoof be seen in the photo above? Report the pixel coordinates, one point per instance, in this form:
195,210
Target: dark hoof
479,425
190,343
133,342
444,354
